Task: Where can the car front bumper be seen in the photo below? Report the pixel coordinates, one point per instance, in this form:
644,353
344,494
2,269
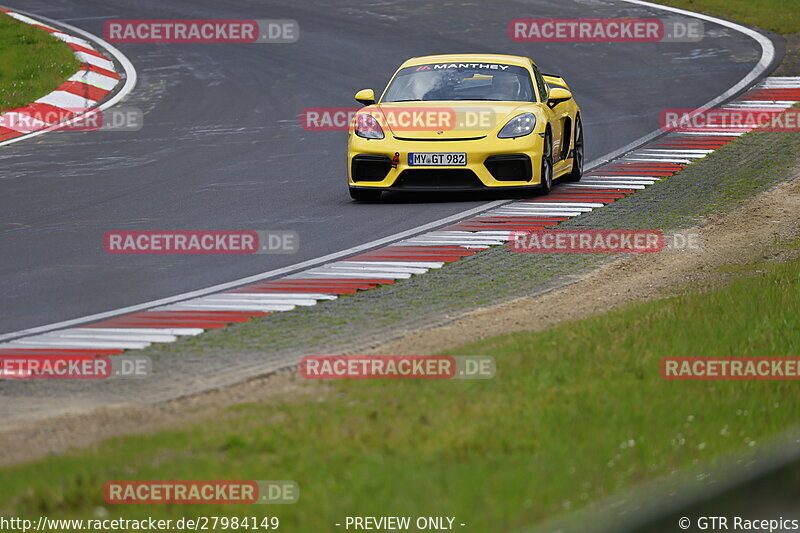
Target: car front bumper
491,163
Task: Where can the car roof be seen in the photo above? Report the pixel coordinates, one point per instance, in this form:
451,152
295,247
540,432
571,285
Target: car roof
469,58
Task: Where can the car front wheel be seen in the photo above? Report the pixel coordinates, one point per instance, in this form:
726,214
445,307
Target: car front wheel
547,165
577,154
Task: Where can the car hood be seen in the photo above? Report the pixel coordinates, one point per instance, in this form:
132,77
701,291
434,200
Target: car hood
445,119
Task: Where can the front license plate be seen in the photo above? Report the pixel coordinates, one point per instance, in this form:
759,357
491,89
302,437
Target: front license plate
437,159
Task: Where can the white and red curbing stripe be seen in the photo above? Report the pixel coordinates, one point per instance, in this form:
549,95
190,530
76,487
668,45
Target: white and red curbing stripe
82,92
613,181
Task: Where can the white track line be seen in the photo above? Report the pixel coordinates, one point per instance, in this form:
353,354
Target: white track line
442,242
52,343
226,307
677,153
712,134
344,274
66,100
378,271
300,295
94,60
94,79
576,187
655,160
757,104
547,208
607,185
287,296
543,212
667,156
391,264
237,299
623,179
131,335
619,183
590,205
67,38
180,332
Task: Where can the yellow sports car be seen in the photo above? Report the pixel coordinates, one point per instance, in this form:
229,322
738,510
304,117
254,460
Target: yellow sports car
465,122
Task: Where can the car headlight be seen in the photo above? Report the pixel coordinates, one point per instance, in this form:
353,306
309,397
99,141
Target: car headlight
366,126
518,126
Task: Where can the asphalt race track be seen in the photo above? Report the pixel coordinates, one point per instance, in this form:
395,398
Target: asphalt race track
222,147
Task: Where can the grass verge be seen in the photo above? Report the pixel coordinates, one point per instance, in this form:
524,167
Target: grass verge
779,16
32,63
576,413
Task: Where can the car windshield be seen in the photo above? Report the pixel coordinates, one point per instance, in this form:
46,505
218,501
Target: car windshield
461,81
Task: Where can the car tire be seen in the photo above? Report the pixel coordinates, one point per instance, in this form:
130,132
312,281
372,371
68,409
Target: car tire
547,165
364,195
577,154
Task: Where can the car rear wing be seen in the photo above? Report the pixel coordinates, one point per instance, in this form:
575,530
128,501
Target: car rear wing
554,80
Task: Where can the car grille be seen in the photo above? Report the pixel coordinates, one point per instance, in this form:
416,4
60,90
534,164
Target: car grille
509,167
432,139
438,179
370,167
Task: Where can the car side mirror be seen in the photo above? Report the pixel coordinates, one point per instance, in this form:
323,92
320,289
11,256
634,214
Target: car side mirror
558,95
366,96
